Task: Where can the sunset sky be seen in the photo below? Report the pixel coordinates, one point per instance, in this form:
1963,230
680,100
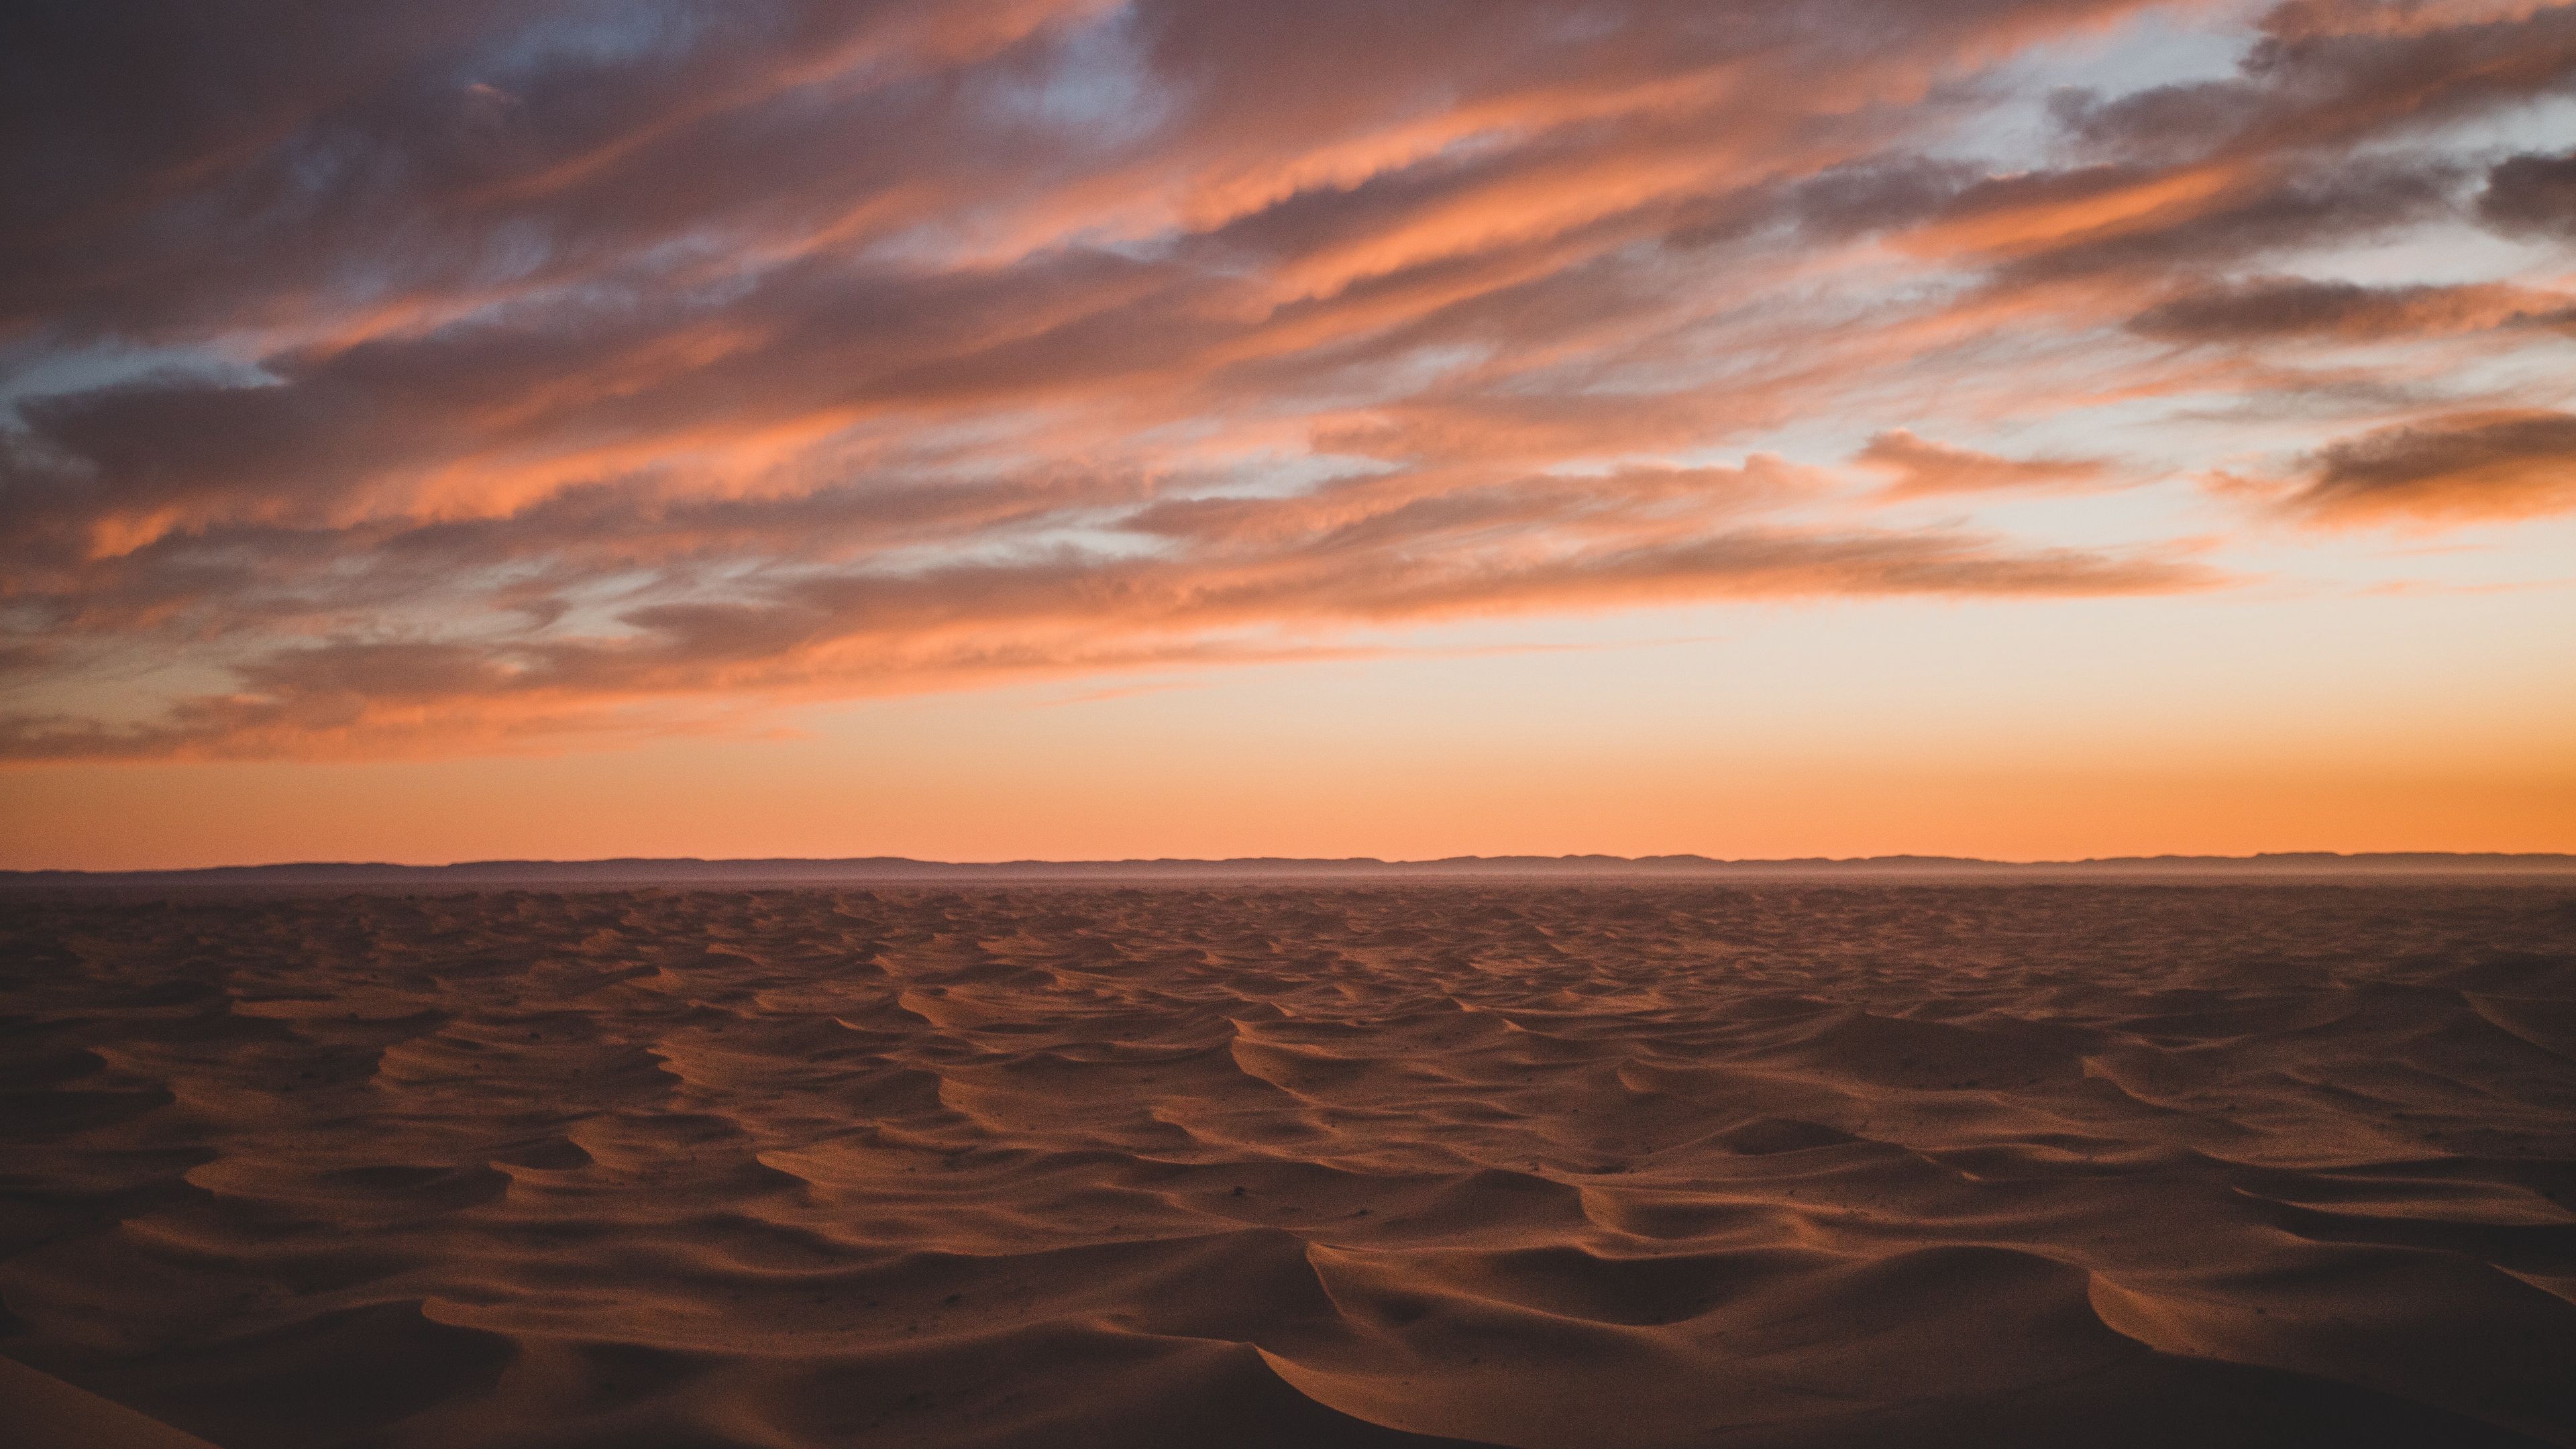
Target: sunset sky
2026,428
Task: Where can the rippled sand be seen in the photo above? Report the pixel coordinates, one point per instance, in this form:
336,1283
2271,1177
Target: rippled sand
1618,1166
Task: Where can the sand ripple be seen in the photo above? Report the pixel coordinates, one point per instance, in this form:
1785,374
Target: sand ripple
1560,1167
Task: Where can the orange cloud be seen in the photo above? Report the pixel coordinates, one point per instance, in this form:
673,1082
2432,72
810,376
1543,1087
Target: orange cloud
1922,468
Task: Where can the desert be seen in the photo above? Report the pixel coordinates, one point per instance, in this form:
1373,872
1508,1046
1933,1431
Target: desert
1528,1164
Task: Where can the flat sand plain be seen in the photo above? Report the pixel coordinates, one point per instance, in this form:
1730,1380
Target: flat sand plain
1557,1167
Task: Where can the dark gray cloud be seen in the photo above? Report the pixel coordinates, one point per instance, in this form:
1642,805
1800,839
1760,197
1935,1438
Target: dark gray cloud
2477,466
2532,193
2265,308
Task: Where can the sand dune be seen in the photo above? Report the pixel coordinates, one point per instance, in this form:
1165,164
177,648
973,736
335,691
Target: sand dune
1632,1165
43,1412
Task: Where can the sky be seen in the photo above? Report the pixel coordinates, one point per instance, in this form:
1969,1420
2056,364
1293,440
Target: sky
1077,429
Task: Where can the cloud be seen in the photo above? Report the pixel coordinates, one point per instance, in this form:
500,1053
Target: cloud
2271,308
2460,468
497,374
1921,468
1253,588
2532,193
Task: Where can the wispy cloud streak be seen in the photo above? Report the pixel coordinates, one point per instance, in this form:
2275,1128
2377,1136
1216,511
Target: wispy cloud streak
468,376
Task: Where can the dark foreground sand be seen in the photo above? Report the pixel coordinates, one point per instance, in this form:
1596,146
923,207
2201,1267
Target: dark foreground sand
1561,1167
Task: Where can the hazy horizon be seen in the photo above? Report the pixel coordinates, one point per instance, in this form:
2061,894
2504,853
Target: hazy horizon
2542,867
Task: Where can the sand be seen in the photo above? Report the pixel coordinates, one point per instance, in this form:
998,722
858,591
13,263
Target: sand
1576,1166
42,1412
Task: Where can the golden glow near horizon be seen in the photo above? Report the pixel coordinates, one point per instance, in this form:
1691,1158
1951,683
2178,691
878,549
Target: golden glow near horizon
1080,429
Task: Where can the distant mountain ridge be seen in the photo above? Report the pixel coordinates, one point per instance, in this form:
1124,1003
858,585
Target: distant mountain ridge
898,870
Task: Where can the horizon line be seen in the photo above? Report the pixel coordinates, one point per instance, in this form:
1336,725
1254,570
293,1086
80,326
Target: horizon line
895,868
